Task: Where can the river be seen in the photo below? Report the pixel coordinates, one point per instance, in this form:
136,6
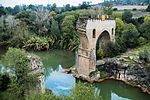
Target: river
61,83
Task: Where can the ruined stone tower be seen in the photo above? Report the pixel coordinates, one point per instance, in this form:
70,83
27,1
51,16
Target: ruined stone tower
90,31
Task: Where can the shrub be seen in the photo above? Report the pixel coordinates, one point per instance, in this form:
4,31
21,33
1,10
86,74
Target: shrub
117,15
134,9
84,91
130,35
37,43
145,56
101,54
127,16
112,49
141,41
115,9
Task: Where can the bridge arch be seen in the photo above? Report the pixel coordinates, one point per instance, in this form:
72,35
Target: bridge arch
103,39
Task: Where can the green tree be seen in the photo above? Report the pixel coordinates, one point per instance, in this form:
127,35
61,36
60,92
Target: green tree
54,27
119,26
68,25
17,61
84,91
144,28
107,8
16,9
127,16
2,10
70,39
67,7
130,35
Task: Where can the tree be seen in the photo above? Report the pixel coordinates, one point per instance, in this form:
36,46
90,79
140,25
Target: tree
2,10
70,39
68,25
84,5
107,8
130,35
127,16
119,26
16,9
42,22
84,91
17,61
145,28
67,7
54,28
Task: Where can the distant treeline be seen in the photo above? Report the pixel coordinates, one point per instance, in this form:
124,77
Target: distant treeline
49,7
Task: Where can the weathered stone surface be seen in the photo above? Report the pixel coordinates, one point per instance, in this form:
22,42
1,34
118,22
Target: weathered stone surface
90,31
38,70
135,72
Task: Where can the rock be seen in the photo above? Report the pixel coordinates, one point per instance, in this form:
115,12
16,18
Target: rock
38,70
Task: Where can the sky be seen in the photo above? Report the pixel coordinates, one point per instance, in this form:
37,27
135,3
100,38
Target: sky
59,3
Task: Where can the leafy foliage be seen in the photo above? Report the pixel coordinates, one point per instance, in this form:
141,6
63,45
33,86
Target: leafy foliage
17,61
127,16
130,35
107,8
145,56
144,28
37,43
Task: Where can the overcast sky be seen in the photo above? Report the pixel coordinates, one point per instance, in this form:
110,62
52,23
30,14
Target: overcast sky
59,3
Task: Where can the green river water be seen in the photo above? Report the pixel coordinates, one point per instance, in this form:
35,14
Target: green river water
109,89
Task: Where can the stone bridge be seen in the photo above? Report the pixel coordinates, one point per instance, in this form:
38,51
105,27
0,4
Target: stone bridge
92,31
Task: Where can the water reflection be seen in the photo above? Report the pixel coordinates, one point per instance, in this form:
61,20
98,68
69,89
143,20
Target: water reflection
116,90
60,83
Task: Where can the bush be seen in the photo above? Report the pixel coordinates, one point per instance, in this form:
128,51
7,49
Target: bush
101,53
112,49
37,43
127,16
130,35
145,56
141,41
115,9
117,15
134,9
84,91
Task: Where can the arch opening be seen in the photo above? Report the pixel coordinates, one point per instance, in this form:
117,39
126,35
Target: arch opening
101,44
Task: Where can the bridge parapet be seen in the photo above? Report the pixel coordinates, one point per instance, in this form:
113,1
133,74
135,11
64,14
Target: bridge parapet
82,21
